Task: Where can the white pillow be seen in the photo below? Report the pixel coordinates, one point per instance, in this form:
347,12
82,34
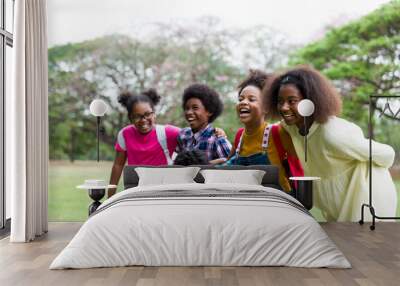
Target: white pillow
166,176
248,177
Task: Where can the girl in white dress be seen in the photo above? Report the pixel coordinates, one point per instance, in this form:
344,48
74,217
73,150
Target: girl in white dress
338,152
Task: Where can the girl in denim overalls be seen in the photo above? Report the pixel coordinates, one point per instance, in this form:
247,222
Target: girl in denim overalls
254,144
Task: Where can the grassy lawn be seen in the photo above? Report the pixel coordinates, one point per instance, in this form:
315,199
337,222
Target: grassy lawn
67,203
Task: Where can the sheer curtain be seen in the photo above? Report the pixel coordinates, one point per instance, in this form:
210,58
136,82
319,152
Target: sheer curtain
27,150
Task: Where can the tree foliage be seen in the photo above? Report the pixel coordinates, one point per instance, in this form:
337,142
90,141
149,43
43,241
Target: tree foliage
170,59
363,59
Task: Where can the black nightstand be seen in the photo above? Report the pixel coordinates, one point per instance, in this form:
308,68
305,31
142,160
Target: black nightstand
304,190
96,191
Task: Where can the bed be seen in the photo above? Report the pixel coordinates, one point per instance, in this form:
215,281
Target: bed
201,224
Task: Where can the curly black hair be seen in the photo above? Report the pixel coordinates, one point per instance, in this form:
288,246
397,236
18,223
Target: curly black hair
312,85
255,78
130,99
194,157
208,97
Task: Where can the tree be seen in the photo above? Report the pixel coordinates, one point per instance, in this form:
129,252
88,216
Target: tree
104,67
263,48
362,58
170,59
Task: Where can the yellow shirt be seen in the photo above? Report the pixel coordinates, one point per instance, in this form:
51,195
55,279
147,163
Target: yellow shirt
252,144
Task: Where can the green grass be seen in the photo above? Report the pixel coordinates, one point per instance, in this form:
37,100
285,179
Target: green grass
67,203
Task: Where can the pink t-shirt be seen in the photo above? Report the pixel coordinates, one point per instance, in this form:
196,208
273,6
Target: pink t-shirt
144,149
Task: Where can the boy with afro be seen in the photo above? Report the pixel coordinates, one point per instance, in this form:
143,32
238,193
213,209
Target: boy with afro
202,105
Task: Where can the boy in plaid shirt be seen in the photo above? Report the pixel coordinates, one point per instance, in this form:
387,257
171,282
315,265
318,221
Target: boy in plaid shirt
202,105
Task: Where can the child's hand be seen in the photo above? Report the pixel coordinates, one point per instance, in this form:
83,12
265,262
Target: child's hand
220,132
217,161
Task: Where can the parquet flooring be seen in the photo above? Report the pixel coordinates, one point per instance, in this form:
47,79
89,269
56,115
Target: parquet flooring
374,255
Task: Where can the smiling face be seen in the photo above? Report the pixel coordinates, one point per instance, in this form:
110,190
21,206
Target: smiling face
250,107
196,114
288,98
143,117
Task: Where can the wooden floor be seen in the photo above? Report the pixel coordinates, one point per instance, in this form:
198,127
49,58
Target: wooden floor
374,255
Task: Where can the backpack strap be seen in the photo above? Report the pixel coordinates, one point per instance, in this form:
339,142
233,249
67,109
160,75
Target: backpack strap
266,137
121,139
278,143
162,140
238,140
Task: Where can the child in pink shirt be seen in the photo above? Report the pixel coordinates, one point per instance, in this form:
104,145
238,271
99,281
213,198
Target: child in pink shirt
145,149
143,142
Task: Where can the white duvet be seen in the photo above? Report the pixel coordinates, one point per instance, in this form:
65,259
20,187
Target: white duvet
183,231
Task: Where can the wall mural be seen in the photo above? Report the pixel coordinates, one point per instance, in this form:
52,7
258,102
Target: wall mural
159,60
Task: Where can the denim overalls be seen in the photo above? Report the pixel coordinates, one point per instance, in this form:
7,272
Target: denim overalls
255,159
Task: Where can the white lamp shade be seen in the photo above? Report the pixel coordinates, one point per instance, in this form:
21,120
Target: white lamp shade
98,107
305,107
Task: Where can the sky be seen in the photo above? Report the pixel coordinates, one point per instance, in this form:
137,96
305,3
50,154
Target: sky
301,21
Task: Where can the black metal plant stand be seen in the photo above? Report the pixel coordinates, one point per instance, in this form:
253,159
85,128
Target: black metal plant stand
370,205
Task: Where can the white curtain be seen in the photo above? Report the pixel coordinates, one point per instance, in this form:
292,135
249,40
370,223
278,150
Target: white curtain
27,125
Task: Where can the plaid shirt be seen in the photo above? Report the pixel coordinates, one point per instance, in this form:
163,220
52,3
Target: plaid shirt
204,140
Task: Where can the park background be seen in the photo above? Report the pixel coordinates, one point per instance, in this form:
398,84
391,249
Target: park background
360,55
